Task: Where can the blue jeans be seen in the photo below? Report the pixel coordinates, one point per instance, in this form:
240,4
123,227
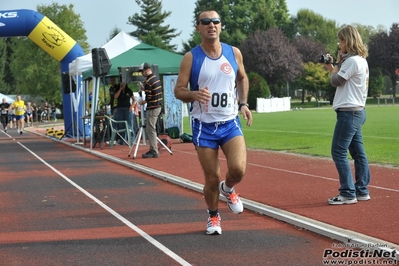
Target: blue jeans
348,136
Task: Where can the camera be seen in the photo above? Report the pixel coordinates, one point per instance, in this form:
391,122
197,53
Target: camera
324,58
132,74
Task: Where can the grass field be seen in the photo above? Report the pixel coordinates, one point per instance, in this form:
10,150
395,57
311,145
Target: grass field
309,131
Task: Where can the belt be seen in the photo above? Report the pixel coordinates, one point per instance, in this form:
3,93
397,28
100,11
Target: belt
351,109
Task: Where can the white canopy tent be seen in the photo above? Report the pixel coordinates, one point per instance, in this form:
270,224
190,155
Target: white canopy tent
8,99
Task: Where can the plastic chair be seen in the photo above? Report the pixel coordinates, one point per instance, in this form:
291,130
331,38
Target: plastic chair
115,131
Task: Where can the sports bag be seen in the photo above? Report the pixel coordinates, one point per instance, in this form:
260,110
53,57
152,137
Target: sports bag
186,137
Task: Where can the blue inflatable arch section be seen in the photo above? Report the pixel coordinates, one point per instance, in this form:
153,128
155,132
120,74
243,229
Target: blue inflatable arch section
42,31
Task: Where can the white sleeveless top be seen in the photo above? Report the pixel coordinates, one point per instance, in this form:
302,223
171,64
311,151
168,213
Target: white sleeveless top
219,74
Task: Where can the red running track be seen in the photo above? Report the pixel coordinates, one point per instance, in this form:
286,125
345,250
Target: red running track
291,182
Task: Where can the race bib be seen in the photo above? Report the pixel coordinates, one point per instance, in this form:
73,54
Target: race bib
220,103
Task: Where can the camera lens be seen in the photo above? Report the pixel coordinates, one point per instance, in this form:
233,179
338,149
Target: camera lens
324,59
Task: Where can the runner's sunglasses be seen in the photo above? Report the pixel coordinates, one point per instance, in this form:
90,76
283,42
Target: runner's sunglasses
207,21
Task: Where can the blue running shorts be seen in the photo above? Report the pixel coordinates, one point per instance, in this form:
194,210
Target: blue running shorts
19,117
213,135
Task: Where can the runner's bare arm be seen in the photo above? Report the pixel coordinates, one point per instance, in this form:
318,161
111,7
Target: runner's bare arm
181,90
242,87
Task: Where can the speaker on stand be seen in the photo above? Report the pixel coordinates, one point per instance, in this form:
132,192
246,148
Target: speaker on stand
101,68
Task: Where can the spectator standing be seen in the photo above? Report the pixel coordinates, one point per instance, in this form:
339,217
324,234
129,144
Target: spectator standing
153,99
54,112
112,90
350,75
123,111
45,112
34,112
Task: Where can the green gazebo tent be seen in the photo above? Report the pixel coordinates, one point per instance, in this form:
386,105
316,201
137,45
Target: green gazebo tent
168,62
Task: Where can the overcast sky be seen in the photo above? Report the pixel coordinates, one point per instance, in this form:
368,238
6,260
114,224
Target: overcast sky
101,16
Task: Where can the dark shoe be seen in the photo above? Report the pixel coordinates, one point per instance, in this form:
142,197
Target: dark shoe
150,154
339,200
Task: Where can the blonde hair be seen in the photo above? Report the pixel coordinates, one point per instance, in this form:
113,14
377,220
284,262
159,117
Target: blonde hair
353,40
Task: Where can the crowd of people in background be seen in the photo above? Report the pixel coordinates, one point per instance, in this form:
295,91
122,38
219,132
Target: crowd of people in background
21,114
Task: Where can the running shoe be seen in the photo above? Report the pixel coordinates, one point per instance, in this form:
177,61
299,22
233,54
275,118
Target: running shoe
20,132
233,201
339,200
362,197
213,226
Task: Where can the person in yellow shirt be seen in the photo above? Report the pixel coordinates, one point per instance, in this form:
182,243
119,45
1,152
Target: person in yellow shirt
19,113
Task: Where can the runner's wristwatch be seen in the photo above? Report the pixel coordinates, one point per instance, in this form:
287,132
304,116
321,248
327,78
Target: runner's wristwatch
242,104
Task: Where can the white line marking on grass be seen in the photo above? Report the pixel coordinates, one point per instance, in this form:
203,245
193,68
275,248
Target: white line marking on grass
315,133
296,173
317,176
289,132
150,239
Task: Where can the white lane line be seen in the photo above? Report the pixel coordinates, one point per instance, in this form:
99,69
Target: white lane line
150,239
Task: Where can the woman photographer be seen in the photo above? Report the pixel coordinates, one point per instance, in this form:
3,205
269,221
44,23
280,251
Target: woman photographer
350,75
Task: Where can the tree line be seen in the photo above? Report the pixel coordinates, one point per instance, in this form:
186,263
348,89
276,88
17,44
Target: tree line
281,51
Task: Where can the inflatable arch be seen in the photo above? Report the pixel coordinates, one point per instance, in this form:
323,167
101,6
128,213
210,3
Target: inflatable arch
48,36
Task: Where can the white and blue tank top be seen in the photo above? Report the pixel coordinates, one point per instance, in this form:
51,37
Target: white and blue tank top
219,74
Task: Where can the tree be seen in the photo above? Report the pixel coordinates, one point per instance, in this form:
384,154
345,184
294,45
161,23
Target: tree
309,24
149,25
271,55
384,54
115,31
315,80
3,57
7,80
367,31
258,89
241,18
36,72
309,49
376,82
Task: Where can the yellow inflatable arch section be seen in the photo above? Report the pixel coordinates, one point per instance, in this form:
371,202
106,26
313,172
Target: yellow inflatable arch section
50,38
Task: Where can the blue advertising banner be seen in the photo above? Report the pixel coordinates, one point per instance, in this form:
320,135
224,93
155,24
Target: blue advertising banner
173,106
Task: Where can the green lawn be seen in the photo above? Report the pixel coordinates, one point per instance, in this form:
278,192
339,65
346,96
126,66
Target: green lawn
309,131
